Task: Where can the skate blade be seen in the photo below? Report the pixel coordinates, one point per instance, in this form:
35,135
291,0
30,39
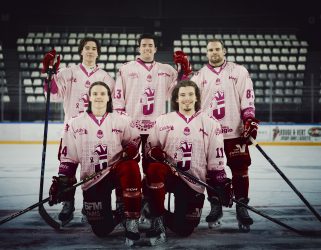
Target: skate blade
215,224
244,228
156,241
65,222
129,242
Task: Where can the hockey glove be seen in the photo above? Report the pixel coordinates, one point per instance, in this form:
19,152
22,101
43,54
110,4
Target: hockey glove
60,183
250,128
183,65
49,60
156,153
130,152
227,193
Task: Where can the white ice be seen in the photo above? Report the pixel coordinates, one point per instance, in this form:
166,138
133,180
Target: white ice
19,188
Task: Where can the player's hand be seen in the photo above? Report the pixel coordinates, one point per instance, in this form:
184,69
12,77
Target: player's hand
59,184
250,128
156,153
183,65
49,60
131,152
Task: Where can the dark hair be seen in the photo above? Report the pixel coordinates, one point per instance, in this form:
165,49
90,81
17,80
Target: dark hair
86,40
147,36
109,108
217,41
186,83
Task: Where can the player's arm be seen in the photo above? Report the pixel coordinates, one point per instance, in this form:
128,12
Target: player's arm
119,92
67,169
250,123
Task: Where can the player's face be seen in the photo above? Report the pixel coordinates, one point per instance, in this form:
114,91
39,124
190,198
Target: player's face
89,53
215,53
147,50
186,100
98,98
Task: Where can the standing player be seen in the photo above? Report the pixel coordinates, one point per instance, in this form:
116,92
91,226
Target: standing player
100,140
70,86
142,88
193,141
227,95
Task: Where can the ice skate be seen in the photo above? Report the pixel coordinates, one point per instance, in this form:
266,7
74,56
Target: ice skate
67,212
83,217
131,232
157,232
216,213
243,217
144,220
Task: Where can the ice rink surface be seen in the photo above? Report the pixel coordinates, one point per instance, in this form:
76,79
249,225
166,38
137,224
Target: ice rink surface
269,193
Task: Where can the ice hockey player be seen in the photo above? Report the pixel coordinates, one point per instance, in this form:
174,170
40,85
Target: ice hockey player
188,137
102,141
227,95
70,86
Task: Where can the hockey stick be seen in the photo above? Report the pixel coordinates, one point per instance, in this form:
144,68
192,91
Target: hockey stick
195,179
255,143
40,203
42,211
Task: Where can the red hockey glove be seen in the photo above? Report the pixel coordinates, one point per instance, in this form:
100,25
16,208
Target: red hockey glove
131,152
227,193
185,69
250,128
49,60
156,153
60,183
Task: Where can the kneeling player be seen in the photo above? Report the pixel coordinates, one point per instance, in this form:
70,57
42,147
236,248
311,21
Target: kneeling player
102,141
188,137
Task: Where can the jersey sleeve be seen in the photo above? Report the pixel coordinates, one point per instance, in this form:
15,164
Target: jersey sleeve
58,85
110,82
246,92
215,157
69,156
120,91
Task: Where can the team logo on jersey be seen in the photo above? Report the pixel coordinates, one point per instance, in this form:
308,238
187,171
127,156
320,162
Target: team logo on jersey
100,134
218,81
148,100
226,129
218,105
187,131
101,151
203,83
83,103
184,153
149,78
87,84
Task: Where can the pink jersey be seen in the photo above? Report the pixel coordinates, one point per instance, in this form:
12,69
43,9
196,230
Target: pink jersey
227,95
96,145
71,86
142,91
196,145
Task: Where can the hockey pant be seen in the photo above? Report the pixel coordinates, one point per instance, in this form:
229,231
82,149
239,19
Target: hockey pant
97,199
188,203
